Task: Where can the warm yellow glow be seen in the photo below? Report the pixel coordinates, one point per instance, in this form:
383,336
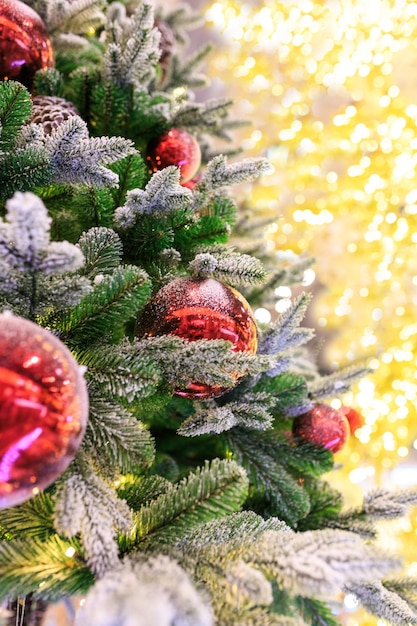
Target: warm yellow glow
331,93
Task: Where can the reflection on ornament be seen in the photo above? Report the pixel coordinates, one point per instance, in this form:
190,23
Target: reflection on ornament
43,409
175,147
25,46
200,308
322,426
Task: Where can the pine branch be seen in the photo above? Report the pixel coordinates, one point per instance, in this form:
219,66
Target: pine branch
117,436
289,390
321,562
33,519
44,568
261,458
207,117
210,361
156,591
120,375
115,300
102,250
252,414
315,612
213,491
181,73
286,333
406,588
163,194
15,110
381,602
77,158
24,170
383,504
232,267
219,174
80,16
87,506
337,383
133,47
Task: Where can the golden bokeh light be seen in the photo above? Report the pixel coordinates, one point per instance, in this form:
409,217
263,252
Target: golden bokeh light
330,90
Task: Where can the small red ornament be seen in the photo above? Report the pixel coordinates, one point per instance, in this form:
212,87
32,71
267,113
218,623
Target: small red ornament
323,426
43,409
354,418
25,46
175,147
200,308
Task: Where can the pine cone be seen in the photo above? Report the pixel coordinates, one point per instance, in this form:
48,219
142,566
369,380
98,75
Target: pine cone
51,111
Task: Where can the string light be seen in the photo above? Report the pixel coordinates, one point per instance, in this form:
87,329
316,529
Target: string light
330,90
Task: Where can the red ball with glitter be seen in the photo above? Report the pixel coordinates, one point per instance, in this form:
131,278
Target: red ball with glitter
354,418
43,409
175,147
25,46
200,308
322,426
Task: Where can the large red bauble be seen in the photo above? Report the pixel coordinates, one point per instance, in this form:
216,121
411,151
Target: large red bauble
323,426
43,409
175,147
25,46
200,308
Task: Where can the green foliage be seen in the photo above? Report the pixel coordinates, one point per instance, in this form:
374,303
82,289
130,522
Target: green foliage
132,173
102,250
210,492
42,568
274,491
325,505
288,390
119,440
24,170
141,491
104,312
33,519
315,612
15,110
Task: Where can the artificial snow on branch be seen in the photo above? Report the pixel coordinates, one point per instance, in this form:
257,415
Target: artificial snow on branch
232,267
382,602
87,506
77,158
250,412
320,562
162,195
30,262
155,591
132,46
220,174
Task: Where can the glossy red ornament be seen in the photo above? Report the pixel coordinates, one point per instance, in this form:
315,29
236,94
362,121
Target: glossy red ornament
200,308
25,46
354,418
43,409
175,147
323,426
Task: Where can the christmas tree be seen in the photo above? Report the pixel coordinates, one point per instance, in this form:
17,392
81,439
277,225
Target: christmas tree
164,455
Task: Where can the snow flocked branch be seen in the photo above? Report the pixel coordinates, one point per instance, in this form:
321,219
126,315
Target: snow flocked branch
31,266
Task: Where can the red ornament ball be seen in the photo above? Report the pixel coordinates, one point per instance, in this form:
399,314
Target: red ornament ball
200,308
354,418
322,426
175,147
25,46
43,409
